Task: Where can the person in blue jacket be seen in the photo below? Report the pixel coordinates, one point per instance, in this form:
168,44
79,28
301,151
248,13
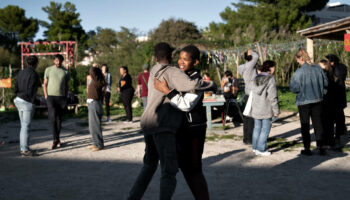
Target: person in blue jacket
309,82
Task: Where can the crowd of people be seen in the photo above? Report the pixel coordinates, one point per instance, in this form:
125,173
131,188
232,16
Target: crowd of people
174,119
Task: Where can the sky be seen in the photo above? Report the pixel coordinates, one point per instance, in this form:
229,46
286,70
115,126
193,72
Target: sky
144,15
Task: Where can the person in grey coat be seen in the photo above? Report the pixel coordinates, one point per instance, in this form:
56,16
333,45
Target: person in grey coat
264,106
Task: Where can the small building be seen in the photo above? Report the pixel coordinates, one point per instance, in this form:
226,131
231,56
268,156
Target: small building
334,30
332,12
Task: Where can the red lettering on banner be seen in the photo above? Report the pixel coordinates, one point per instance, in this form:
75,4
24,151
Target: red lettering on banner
347,42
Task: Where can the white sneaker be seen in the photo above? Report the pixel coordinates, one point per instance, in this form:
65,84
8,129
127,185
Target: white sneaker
264,153
254,150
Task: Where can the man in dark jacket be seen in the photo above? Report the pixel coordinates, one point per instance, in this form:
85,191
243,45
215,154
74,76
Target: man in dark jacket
26,87
340,72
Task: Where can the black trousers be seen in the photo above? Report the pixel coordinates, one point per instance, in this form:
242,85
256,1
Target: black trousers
160,147
56,106
248,127
127,96
340,122
328,120
107,98
189,146
313,110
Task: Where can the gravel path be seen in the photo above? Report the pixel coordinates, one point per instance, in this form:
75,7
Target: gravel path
233,172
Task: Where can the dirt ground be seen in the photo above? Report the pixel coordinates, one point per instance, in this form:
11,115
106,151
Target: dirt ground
233,172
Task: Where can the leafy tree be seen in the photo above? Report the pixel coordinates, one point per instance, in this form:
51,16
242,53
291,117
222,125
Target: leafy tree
252,19
7,57
175,32
15,25
65,23
106,40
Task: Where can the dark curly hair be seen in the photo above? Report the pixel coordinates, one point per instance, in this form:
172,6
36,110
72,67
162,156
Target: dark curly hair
32,60
265,67
193,51
162,51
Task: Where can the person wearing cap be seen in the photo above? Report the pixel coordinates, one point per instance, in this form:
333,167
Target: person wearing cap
142,85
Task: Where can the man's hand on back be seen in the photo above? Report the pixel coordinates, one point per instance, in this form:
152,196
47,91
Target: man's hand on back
161,86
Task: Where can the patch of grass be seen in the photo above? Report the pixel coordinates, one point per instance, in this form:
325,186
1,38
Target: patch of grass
126,128
120,111
284,144
346,149
348,95
221,127
286,99
215,137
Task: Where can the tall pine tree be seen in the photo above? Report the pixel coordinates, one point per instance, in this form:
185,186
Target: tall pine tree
252,19
65,23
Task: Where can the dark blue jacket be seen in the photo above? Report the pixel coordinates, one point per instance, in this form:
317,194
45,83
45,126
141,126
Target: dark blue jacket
309,82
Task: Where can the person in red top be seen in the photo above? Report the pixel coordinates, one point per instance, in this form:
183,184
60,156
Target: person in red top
142,82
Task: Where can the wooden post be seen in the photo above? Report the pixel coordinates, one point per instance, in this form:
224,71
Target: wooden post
237,64
310,48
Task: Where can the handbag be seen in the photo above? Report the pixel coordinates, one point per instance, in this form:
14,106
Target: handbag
248,106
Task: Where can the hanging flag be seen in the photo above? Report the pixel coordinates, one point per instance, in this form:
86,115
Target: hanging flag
347,42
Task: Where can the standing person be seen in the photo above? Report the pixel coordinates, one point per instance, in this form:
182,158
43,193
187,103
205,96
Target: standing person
328,105
97,88
26,87
264,106
142,85
248,71
340,72
309,83
190,137
127,92
159,123
107,96
56,79
88,78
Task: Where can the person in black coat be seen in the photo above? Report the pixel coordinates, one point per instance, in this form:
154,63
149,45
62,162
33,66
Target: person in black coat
127,92
340,72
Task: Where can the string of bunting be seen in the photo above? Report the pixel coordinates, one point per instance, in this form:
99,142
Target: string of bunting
221,56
